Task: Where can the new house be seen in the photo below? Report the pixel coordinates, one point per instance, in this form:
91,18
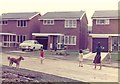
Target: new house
17,27
63,29
105,30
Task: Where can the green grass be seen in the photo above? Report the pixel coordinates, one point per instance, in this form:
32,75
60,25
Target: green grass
115,56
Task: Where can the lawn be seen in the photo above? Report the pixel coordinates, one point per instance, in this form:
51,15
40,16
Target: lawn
115,57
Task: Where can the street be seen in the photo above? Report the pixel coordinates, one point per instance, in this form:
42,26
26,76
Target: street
65,68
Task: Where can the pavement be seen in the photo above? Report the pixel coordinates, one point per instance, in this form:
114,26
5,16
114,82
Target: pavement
88,59
90,56
65,66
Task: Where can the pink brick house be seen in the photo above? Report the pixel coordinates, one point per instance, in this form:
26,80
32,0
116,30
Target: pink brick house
17,27
64,28
105,30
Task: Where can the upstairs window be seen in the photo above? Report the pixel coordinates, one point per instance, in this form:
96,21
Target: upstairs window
70,23
21,23
102,21
48,22
4,22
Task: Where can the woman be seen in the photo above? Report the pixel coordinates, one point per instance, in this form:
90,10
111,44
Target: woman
80,58
97,59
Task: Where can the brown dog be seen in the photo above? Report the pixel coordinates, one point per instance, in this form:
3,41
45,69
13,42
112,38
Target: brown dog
14,60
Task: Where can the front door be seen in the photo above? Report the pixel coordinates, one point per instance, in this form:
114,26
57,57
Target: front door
54,42
115,44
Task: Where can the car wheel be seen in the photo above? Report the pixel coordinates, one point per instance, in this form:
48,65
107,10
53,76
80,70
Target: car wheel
32,49
23,49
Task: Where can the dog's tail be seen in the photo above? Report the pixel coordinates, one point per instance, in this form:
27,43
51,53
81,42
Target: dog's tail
8,58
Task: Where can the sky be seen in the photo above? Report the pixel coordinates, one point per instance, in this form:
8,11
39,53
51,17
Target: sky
44,6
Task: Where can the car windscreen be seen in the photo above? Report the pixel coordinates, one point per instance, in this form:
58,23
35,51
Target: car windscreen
28,42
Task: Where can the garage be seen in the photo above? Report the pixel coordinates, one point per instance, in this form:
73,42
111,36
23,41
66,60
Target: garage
103,42
43,41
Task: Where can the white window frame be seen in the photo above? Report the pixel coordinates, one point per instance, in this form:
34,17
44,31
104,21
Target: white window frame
21,38
51,22
68,25
1,22
106,22
22,22
69,41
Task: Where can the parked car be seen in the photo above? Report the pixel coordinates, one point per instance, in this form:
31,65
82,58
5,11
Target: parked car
30,45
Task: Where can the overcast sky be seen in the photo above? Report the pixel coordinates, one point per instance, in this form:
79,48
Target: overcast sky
44,6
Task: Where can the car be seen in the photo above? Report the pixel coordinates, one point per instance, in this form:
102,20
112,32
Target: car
30,45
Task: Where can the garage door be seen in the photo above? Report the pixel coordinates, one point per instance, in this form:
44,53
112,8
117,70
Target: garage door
43,41
103,42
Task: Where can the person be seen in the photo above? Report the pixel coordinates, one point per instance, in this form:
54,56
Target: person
97,59
80,58
41,55
55,48
51,48
109,56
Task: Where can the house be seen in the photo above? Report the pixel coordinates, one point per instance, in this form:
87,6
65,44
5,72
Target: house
105,30
59,29
17,27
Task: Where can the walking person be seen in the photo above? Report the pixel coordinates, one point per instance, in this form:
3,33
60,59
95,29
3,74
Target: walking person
97,59
41,55
80,58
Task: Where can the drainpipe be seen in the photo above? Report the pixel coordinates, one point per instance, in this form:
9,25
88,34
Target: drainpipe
80,43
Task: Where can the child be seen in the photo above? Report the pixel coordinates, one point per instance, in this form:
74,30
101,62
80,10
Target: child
41,55
109,57
80,58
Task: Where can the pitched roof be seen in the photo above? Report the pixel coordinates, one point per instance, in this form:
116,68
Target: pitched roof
63,15
22,15
106,14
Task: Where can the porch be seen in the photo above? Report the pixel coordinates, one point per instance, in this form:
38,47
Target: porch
8,39
50,40
108,42
11,39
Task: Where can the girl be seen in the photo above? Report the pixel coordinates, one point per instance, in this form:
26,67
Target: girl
41,55
80,58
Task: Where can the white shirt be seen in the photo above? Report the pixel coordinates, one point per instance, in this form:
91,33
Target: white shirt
80,56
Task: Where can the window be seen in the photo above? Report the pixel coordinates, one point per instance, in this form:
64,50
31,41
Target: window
21,38
14,38
70,40
21,23
102,21
70,23
4,22
60,39
48,22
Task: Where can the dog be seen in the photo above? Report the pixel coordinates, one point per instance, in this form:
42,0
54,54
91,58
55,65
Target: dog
15,60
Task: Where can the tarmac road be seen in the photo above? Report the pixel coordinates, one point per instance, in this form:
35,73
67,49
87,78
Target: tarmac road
68,69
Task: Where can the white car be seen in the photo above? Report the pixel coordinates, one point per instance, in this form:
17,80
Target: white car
30,45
